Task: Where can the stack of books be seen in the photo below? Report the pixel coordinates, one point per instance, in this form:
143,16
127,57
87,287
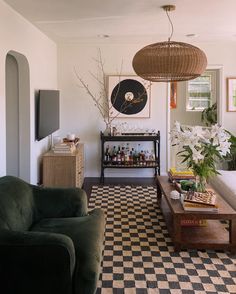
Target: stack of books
200,202
175,175
193,222
64,148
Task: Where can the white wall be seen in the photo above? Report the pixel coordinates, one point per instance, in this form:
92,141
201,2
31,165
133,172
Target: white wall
223,53
80,116
78,113
19,35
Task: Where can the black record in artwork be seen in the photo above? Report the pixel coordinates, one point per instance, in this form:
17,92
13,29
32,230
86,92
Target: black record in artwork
129,97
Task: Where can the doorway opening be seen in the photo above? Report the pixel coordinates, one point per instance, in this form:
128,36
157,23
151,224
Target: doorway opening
186,93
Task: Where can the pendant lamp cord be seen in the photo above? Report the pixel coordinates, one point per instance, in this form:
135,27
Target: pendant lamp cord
172,27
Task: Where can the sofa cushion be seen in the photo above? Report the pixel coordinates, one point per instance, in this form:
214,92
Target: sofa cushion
225,184
87,234
16,204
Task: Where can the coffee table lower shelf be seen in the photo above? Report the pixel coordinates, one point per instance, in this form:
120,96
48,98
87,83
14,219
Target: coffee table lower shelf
214,235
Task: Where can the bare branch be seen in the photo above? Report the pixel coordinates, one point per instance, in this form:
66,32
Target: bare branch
101,101
96,101
96,78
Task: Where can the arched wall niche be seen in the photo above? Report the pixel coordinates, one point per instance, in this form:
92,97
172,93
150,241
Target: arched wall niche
17,116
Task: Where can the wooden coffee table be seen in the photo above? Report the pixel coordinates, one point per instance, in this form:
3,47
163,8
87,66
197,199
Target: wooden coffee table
213,236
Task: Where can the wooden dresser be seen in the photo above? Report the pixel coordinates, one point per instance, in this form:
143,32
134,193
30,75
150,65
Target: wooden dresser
64,170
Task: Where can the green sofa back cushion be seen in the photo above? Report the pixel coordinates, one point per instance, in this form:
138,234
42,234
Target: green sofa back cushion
16,204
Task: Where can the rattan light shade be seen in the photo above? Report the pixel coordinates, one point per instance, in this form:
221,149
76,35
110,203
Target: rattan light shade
169,61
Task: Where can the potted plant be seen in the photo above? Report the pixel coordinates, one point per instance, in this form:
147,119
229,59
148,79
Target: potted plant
209,115
200,148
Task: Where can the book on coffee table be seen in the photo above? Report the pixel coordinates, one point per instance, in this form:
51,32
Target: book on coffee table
174,178
174,172
193,222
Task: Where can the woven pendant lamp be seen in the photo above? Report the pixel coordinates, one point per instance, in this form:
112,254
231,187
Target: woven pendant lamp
169,61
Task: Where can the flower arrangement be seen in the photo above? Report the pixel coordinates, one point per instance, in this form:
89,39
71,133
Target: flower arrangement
200,148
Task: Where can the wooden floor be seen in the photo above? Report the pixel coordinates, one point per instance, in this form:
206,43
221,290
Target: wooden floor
89,182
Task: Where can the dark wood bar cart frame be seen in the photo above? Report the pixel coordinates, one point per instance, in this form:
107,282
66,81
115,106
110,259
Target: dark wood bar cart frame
154,138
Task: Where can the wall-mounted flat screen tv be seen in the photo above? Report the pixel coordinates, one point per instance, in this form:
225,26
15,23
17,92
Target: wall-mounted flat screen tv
48,113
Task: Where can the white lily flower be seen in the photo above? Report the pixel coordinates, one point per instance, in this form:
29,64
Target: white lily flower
215,130
224,148
206,136
192,147
197,156
174,140
215,141
201,141
224,137
174,137
197,132
177,126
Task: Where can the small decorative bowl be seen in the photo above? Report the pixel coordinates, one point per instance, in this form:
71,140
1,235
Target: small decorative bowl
174,194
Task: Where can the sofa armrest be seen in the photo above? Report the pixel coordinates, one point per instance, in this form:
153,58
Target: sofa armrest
35,262
59,202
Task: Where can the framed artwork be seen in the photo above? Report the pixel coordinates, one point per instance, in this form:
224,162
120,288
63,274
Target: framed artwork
173,95
129,97
231,94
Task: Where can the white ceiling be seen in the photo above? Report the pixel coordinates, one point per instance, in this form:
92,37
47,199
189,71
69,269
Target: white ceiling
130,20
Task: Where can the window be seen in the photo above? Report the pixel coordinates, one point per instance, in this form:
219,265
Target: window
201,92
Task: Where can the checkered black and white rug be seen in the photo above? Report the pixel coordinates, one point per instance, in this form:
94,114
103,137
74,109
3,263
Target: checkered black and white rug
138,254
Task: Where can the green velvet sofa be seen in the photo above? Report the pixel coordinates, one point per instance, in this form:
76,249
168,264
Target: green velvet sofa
49,243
